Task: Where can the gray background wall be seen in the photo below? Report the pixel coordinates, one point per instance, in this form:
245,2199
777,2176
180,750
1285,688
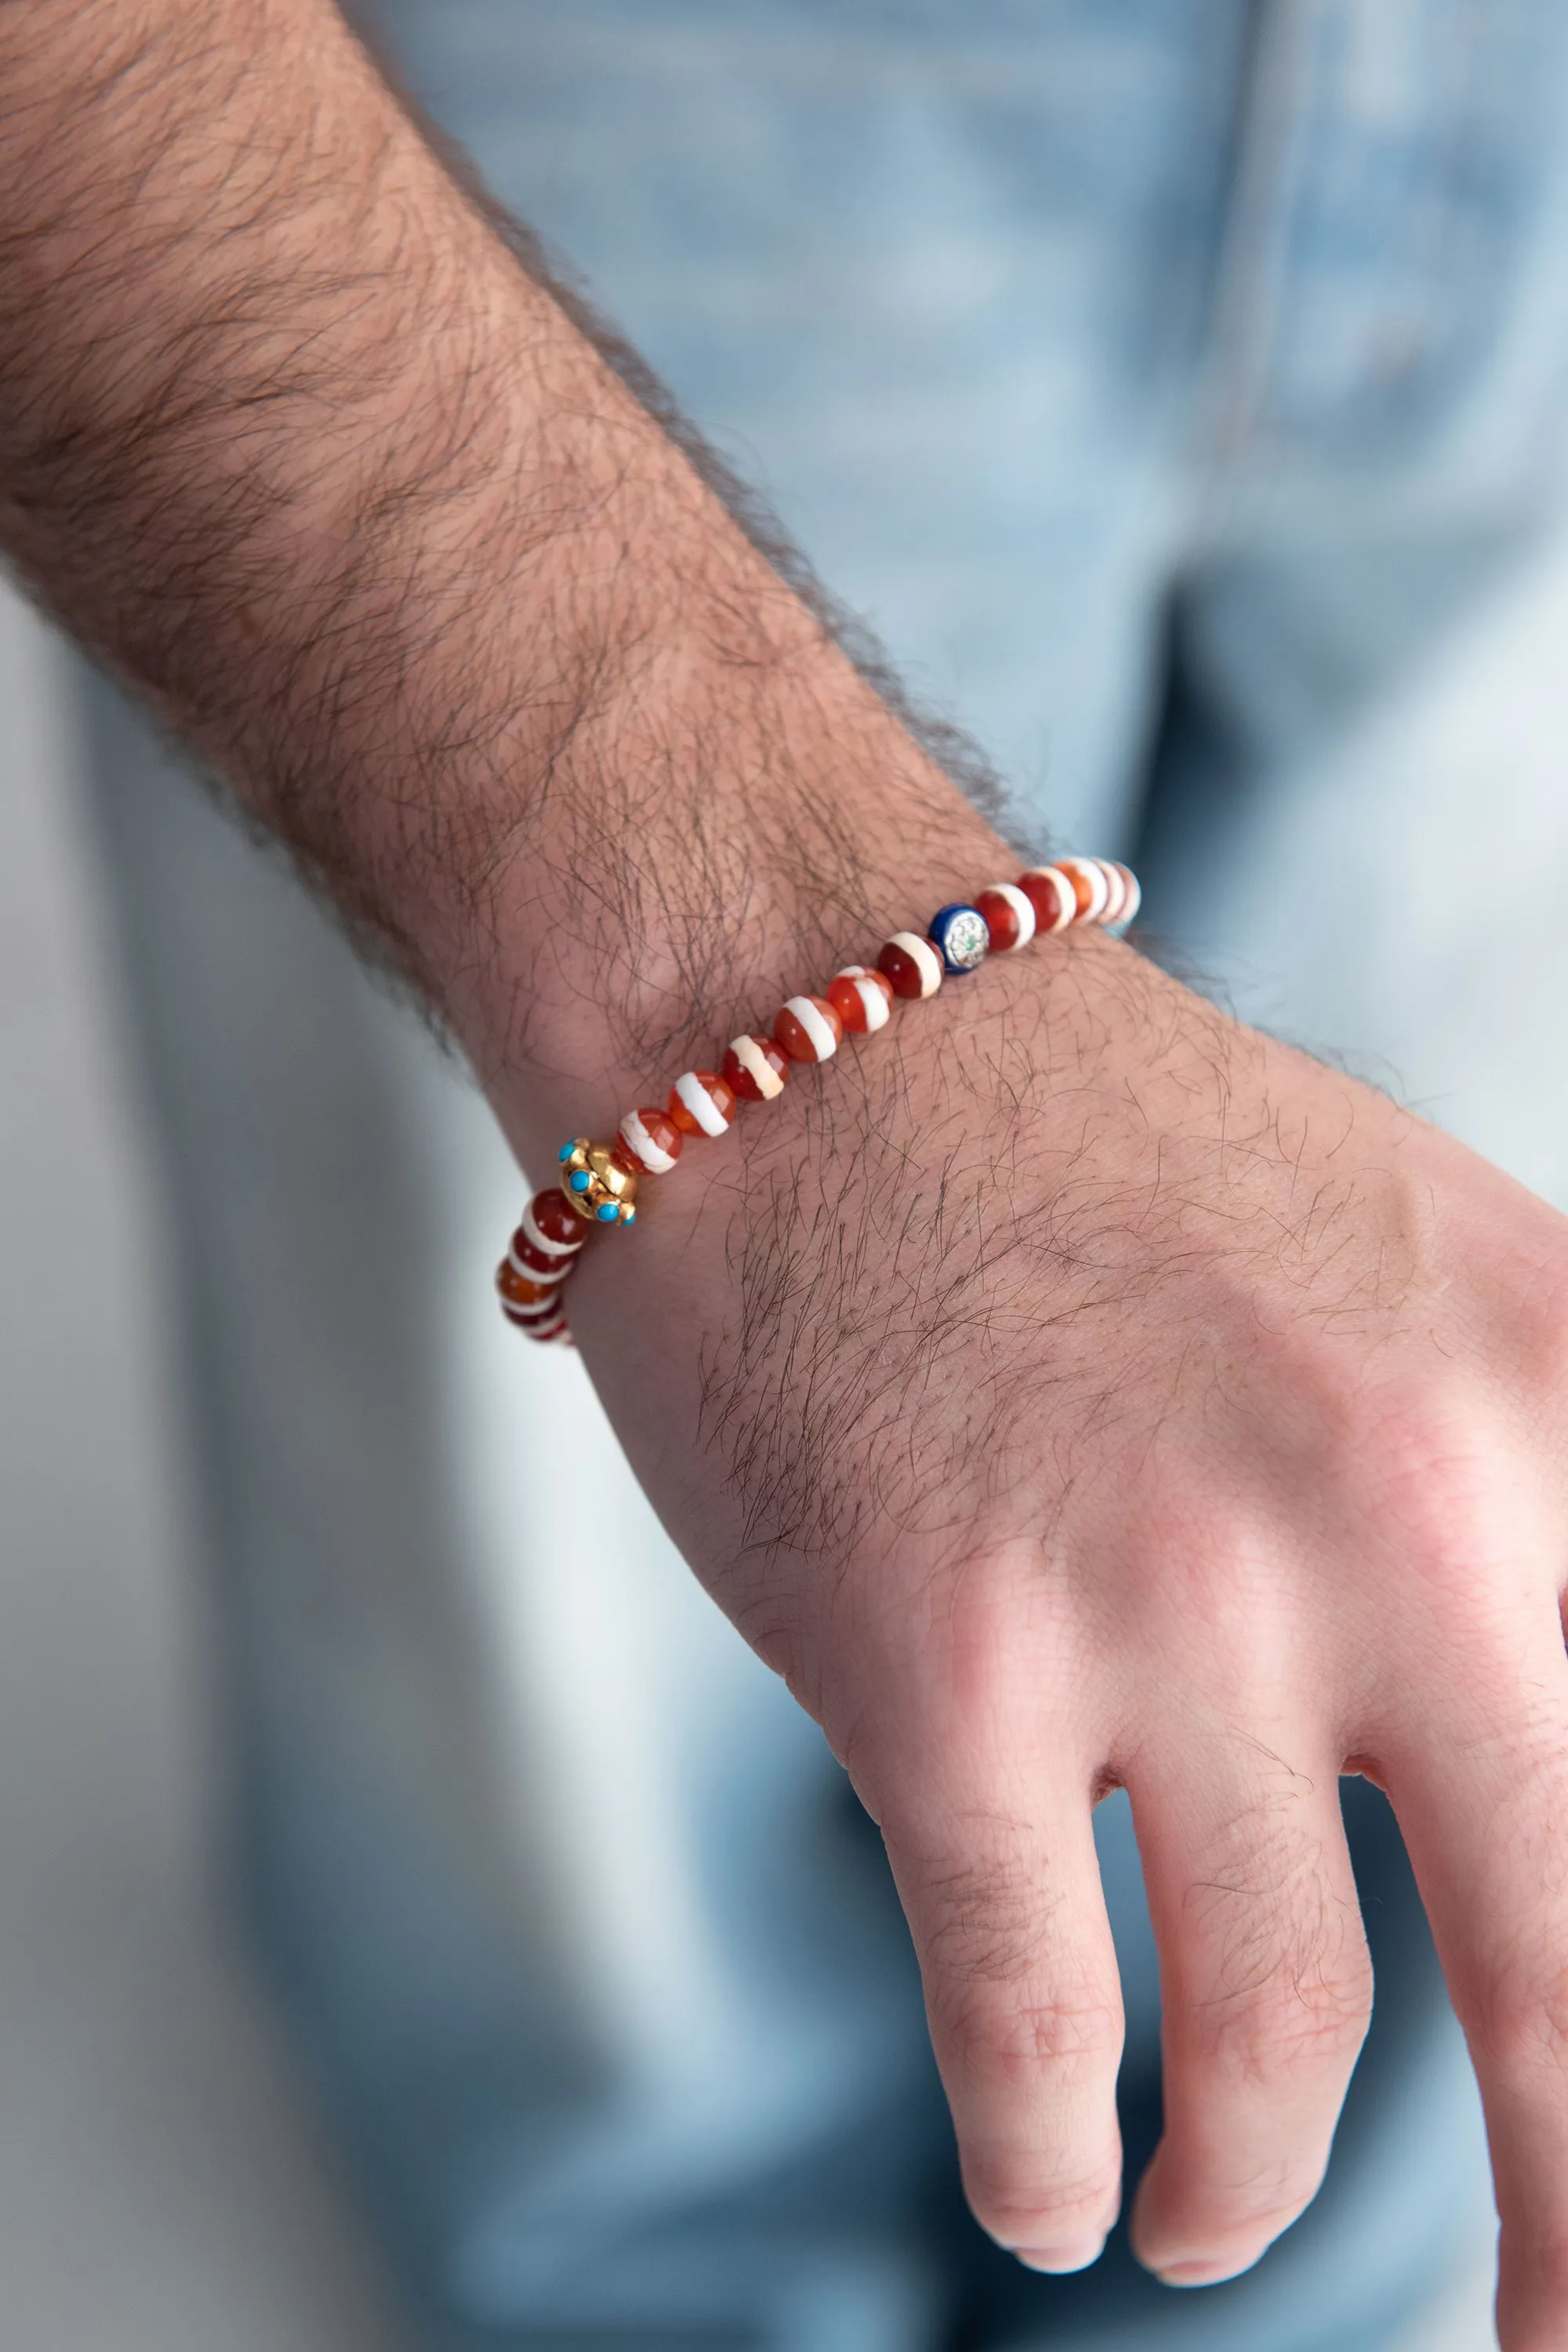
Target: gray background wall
163,2184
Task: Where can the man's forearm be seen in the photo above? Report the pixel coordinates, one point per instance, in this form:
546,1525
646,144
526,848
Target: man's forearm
289,436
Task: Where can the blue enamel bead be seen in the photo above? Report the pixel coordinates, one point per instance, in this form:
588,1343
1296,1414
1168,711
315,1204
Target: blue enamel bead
608,1212
961,937
565,1151
579,1179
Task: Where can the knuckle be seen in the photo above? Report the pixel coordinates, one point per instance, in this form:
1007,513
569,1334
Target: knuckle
987,1952
985,1922
1288,1972
1290,2026
1011,2042
1520,2025
1439,1481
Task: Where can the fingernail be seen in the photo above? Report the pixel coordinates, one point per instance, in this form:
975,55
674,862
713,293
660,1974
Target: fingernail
1208,2273
1056,2260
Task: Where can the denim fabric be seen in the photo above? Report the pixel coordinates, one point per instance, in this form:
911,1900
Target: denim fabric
1177,388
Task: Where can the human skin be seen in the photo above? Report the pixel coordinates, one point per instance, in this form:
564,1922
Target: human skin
1067,1389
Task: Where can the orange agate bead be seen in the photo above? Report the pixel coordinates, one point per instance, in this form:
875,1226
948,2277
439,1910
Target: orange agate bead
650,1139
700,1103
1009,915
910,965
533,1261
1091,886
1052,895
810,1029
518,1290
547,1323
861,999
756,1068
553,1225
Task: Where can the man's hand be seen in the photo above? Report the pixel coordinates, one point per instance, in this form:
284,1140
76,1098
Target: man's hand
1090,1392
1067,1387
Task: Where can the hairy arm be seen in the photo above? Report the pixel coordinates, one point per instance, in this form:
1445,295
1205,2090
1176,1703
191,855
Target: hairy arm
1076,1388
290,435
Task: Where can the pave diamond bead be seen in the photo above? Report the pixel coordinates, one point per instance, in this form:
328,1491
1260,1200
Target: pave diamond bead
960,939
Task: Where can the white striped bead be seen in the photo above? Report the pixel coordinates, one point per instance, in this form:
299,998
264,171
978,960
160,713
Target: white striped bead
1095,881
546,1328
539,1311
1063,892
748,1052
700,1104
924,958
1116,892
823,1044
1023,907
1133,897
545,1242
645,1149
537,1273
879,1012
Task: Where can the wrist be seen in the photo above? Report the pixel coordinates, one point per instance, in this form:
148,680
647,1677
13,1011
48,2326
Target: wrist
720,837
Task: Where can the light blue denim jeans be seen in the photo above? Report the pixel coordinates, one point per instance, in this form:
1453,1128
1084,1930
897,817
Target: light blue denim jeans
1176,386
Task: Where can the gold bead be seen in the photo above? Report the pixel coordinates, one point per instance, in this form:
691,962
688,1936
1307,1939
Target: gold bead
610,1185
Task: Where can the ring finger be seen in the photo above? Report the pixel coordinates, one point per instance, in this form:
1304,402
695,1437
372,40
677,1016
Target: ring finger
1266,1986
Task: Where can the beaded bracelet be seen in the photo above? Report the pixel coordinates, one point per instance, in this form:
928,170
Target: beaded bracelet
598,1181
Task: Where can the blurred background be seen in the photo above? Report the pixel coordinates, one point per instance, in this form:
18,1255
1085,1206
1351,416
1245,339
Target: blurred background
166,2182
